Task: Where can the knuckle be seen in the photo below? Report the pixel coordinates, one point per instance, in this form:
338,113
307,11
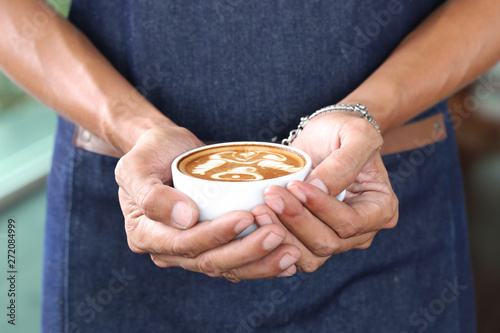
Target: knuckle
147,200
392,223
209,267
124,167
394,201
318,204
180,248
218,240
160,263
309,265
132,238
231,277
118,171
348,229
325,249
130,226
298,211
134,248
136,237
365,245
392,215
142,240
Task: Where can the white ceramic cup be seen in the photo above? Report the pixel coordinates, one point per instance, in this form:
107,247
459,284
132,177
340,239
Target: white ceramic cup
215,198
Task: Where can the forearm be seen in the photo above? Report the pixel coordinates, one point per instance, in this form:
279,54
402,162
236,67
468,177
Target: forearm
60,66
454,45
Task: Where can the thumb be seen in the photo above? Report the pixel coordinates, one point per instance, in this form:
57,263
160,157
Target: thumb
165,204
154,199
342,166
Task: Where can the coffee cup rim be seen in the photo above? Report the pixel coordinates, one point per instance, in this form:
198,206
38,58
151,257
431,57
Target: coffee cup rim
307,158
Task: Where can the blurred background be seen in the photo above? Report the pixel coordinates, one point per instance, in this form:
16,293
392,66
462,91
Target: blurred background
26,137
476,115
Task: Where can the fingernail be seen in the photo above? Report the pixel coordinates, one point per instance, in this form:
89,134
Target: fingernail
242,225
295,190
275,202
181,214
319,184
289,272
271,241
264,219
287,261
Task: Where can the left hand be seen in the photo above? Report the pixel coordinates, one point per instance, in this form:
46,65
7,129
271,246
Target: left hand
344,149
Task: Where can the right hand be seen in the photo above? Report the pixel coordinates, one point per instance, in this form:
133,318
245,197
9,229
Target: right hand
161,221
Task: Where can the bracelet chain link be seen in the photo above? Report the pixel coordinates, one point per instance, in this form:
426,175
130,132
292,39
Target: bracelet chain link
356,108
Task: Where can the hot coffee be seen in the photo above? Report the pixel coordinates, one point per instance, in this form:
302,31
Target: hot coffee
241,163
231,176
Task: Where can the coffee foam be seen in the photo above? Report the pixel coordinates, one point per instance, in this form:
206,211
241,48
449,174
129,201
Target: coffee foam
241,163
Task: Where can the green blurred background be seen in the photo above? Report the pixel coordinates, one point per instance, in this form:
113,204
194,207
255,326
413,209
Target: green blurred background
26,138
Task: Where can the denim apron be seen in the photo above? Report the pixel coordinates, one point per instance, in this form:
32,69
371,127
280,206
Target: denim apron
248,70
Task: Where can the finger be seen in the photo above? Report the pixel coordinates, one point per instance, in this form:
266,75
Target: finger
133,217
300,221
209,235
371,209
150,236
314,233
264,215
341,167
278,263
237,254
309,261
157,201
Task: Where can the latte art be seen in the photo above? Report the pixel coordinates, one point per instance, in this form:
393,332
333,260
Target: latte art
241,163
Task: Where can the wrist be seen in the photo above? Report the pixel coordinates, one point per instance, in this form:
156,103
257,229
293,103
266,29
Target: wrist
124,123
358,109
384,101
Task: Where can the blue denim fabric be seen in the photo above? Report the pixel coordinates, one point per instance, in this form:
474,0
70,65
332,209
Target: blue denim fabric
238,70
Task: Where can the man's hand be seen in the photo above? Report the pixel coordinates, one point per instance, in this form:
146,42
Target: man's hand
345,155
161,221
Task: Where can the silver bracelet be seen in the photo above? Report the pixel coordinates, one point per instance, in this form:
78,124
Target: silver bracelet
356,108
